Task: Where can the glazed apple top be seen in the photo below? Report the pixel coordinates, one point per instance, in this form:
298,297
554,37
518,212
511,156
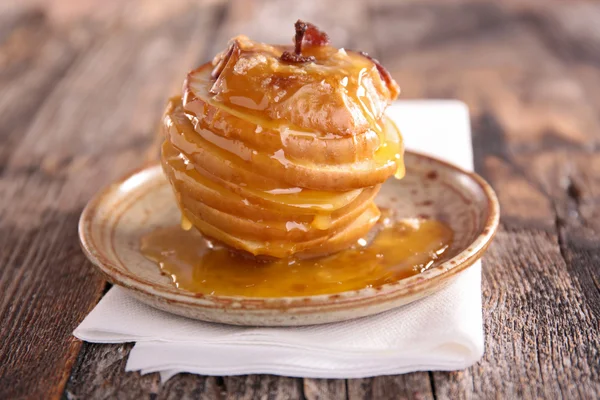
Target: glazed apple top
312,86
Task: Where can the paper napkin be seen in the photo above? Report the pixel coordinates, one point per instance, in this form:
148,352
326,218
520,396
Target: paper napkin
441,332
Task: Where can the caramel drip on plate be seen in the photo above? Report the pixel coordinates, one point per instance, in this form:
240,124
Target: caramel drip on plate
399,250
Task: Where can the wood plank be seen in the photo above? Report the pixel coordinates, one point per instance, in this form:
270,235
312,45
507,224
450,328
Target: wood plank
98,373
93,127
315,389
578,222
184,46
250,387
188,386
526,73
415,385
528,70
35,55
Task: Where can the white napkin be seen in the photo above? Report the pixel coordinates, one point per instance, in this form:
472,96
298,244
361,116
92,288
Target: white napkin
441,332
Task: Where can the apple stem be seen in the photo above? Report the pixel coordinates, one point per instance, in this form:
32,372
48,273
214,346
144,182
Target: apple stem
301,27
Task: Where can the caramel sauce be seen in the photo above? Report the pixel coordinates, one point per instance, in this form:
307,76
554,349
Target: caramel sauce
398,250
257,83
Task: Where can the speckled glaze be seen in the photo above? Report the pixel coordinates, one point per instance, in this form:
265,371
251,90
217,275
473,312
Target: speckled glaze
113,222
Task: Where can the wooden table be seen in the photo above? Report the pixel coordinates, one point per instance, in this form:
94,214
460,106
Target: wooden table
82,86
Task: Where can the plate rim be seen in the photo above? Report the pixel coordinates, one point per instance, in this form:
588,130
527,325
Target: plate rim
365,296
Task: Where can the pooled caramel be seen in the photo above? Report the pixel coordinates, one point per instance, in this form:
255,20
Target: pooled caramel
399,250
279,155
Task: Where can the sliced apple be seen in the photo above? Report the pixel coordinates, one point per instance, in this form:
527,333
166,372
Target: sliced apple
325,96
279,249
272,135
254,168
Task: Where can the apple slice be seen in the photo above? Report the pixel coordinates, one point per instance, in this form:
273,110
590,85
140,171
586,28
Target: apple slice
341,93
280,167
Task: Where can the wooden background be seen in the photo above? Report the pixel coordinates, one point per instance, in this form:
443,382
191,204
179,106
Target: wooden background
82,86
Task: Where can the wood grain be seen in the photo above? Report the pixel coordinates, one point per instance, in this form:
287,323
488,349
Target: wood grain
408,386
41,276
79,125
82,87
315,389
535,127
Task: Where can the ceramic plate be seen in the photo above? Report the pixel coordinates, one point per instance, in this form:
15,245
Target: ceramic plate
113,222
